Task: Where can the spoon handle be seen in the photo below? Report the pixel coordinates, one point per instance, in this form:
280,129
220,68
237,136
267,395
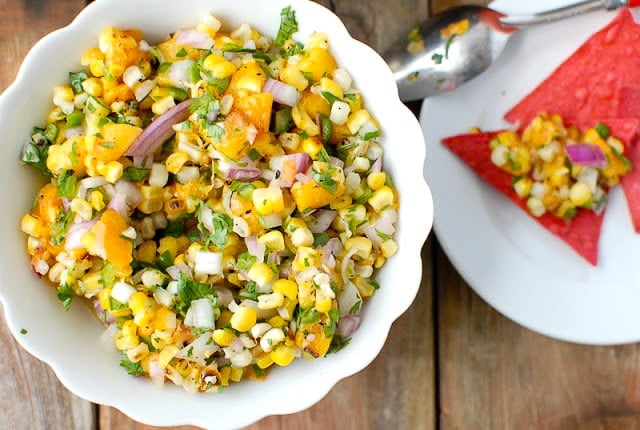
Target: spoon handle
565,12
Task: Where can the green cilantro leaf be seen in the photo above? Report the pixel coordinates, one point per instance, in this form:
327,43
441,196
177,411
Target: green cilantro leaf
135,174
288,26
65,295
132,368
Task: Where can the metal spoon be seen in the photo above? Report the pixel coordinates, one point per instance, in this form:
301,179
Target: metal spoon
441,57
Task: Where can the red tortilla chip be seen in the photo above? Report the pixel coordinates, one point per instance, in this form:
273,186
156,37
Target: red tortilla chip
594,81
582,233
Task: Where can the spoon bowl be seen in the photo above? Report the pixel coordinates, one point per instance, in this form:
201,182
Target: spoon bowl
455,46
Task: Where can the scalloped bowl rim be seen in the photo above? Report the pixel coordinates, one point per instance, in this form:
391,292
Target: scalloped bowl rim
86,366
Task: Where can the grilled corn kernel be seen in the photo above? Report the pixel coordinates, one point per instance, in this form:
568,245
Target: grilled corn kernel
243,319
166,355
287,288
261,273
277,322
388,248
523,187
302,237
273,240
376,180
282,355
175,161
164,104
268,200
381,199
151,199
264,361
223,336
137,353
220,67
127,338
357,120
96,199
32,225
146,251
168,244
165,320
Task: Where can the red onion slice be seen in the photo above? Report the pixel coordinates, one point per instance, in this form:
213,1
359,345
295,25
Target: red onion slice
244,174
377,166
73,238
119,204
194,39
348,325
132,193
586,154
287,167
159,130
282,93
322,220
255,248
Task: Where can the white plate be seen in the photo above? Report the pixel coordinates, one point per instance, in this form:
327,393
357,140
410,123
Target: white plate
514,264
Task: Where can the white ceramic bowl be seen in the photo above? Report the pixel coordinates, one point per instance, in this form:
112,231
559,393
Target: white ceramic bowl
70,341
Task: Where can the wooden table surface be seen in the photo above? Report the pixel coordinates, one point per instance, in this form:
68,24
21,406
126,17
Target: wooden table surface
450,362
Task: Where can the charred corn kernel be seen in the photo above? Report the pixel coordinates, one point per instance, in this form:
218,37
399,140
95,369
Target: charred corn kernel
381,199
166,355
223,336
312,146
175,161
580,194
357,120
264,361
388,248
282,355
273,240
220,67
523,187
143,308
268,200
236,374
361,243
376,180
146,251
127,338
261,273
243,318
32,225
168,244
286,287
341,202
303,121
277,322
270,301
163,105
224,319
137,353
302,237
151,199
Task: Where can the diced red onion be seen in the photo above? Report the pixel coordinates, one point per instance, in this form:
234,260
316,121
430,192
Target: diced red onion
143,161
102,314
274,258
178,73
335,161
586,154
377,166
348,297
282,93
159,130
132,193
252,133
225,296
302,178
255,248
322,220
73,239
143,89
347,325
212,115
156,373
176,271
244,174
194,39
377,231
119,204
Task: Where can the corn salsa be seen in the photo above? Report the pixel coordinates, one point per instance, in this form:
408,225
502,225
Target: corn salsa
218,198
560,169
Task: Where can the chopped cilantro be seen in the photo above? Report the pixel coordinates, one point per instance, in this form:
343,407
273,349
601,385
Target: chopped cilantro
216,132
437,58
288,26
330,97
175,227
448,45
132,368
254,154
74,119
67,184
382,235
283,121
189,290
245,261
602,130
108,275
325,180
326,128
76,79
334,317
23,331
250,292
65,295
135,174
181,53
308,316
337,343
222,227
232,47
371,135
320,239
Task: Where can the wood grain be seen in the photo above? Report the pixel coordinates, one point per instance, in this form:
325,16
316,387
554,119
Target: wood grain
31,396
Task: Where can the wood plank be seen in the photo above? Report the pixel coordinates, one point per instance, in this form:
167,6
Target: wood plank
497,374
31,395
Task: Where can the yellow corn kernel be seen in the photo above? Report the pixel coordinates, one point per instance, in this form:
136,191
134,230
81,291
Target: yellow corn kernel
294,223
268,200
264,361
293,76
376,180
62,94
143,308
341,202
146,251
112,171
379,262
168,244
176,161
220,67
32,226
381,198
236,374
290,306
96,200
223,336
138,353
303,121
282,355
92,86
166,355
361,243
261,273
165,320
287,288
127,338
224,319
330,86
270,301
305,257
92,281
579,194
302,237
312,146
306,295
164,104
209,24
225,372
151,199
273,240
277,322
357,120
388,248
523,187
243,318
323,304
